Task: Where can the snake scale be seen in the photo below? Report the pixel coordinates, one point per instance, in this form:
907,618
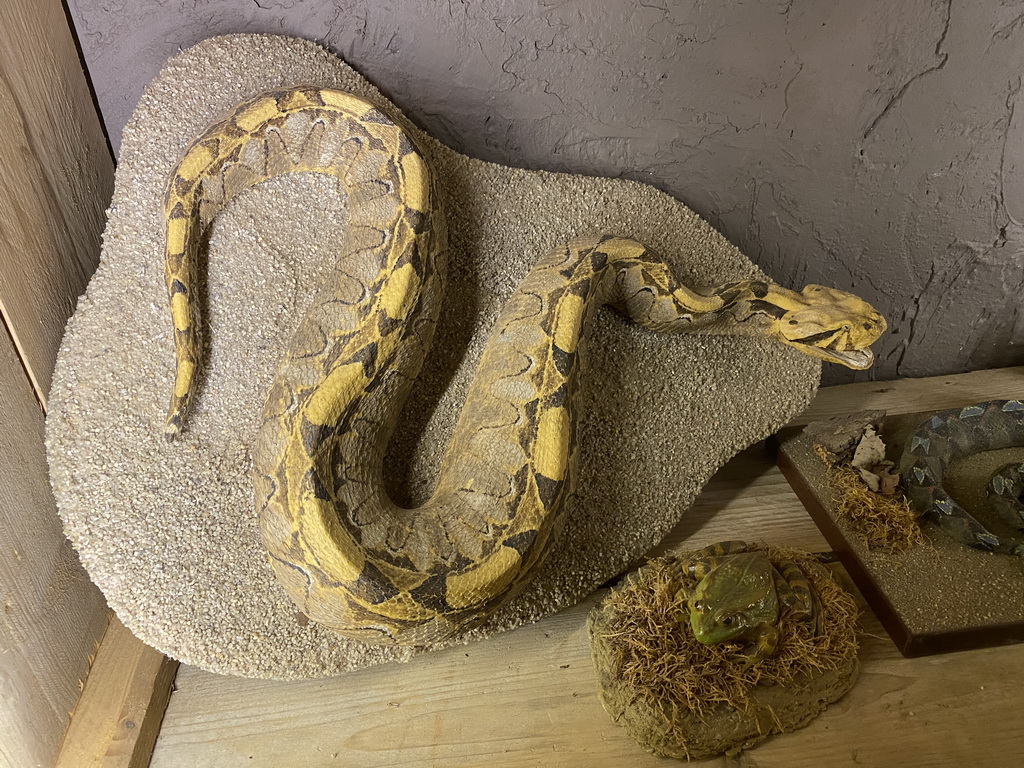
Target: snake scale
953,434
349,557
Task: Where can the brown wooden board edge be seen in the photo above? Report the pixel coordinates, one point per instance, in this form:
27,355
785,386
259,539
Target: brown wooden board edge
908,643
121,709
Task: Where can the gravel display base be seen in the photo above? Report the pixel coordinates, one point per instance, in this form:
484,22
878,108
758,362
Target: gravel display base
168,530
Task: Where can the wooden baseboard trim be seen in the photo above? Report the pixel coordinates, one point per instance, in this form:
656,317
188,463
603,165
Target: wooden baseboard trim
118,717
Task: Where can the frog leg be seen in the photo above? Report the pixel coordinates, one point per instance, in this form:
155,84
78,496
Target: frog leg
764,646
705,560
796,597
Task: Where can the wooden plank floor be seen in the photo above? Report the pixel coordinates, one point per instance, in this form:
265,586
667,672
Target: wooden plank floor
527,698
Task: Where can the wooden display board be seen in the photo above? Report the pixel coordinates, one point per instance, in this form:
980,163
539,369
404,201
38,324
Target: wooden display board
883,577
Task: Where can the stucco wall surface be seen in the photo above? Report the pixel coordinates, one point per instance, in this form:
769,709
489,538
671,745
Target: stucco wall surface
872,146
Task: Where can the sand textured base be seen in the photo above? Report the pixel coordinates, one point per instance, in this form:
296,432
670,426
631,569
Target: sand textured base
168,530
678,698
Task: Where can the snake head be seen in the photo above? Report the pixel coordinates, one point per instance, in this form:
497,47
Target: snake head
832,325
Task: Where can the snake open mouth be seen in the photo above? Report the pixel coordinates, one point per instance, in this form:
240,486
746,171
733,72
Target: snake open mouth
858,359
854,358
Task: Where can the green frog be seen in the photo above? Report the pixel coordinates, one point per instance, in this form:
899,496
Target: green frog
740,596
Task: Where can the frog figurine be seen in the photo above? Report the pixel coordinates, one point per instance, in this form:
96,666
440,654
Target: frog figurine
741,594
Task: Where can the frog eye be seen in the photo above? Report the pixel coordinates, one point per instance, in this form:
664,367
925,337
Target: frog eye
698,605
727,621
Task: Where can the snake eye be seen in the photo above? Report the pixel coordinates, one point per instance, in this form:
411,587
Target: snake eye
792,322
867,326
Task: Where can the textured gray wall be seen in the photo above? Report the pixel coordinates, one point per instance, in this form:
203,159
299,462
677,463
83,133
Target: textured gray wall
870,145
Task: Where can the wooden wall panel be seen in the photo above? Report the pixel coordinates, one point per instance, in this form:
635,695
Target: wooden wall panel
56,177
52,615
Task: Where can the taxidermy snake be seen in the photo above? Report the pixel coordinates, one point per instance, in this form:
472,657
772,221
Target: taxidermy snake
953,434
347,555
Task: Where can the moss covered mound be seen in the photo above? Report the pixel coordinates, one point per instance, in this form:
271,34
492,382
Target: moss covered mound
679,698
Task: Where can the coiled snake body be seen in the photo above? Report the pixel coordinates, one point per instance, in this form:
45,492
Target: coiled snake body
954,434
349,557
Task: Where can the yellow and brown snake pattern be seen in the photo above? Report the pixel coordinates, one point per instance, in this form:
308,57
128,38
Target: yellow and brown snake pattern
349,557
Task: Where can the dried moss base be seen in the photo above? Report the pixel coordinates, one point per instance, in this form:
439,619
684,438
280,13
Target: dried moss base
884,522
679,698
